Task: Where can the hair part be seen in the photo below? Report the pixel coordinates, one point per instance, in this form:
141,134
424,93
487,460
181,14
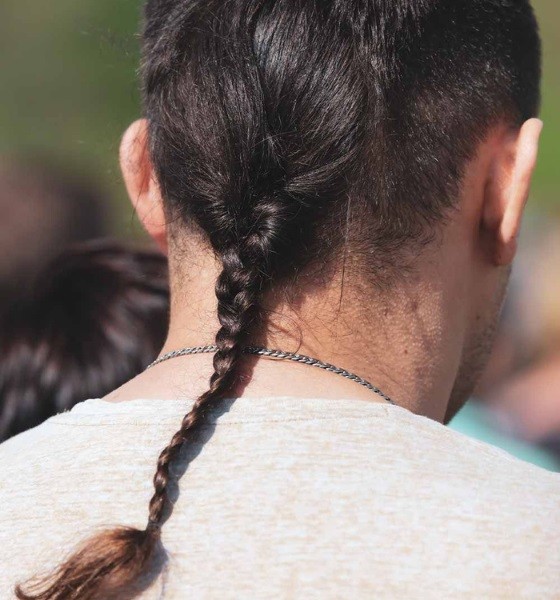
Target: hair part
268,120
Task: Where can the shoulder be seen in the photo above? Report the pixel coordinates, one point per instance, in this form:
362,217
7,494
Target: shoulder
35,443
53,458
433,481
482,488
65,476
30,464
462,455
408,453
41,443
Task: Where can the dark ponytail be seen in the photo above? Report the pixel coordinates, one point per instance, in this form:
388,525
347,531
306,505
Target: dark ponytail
284,131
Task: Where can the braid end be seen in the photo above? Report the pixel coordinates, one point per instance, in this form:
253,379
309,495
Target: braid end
103,566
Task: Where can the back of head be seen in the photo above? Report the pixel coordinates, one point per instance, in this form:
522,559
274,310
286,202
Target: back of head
271,118
95,317
281,132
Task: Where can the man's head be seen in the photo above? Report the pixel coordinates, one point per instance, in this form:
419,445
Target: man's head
398,134
388,142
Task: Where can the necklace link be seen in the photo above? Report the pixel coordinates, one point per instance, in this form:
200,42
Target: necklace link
281,354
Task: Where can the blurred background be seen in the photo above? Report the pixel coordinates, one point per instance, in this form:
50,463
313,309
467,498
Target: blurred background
69,89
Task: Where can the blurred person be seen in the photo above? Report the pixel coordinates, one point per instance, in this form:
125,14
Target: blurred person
526,401
339,187
538,423
477,420
95,318
520,340
44,207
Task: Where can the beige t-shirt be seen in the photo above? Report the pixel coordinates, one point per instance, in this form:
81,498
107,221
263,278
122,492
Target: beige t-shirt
288,498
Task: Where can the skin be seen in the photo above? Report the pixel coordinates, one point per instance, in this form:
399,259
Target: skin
424,341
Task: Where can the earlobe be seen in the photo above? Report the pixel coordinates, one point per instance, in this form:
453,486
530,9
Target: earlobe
509,190
141,183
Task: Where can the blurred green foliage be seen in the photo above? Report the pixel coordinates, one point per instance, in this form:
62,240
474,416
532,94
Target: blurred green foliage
68,87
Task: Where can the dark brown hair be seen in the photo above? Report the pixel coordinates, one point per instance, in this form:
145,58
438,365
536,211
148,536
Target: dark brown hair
284,130
95,317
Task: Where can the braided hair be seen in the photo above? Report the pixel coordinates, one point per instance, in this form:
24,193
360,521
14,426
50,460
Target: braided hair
286,131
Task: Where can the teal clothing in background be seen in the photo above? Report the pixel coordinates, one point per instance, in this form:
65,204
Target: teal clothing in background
475,421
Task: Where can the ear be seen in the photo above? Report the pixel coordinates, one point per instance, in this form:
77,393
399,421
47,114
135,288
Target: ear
507,190
141,183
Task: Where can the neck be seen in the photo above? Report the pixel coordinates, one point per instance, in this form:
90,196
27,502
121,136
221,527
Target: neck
397,342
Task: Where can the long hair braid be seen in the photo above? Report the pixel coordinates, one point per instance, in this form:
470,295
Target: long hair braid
92,572
238,289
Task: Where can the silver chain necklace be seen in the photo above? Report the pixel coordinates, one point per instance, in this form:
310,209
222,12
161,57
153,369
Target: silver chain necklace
260,351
